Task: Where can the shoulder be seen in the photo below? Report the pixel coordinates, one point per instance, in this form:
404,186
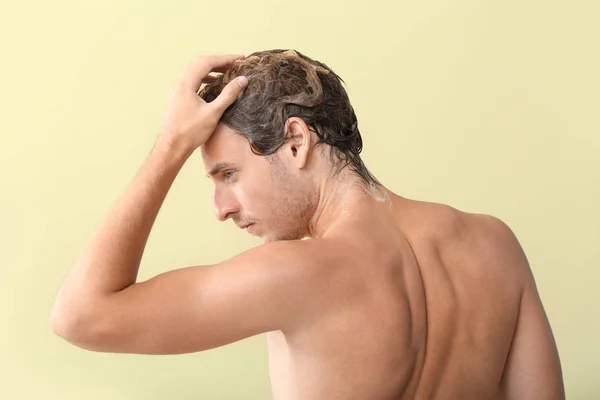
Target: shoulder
481,237
497,233
285,255
452,224
439,222
496,244
287,266
275,282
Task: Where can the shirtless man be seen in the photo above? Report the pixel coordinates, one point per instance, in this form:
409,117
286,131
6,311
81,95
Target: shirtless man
363,294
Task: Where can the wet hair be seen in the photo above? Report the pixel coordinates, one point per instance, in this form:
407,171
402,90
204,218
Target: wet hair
284,84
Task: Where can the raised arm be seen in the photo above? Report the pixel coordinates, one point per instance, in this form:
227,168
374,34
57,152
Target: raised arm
108,266
198,308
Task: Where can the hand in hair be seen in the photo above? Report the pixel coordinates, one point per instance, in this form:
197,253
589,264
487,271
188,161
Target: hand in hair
190,120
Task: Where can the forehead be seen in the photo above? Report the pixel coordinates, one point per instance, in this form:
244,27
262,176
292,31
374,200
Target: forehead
224,145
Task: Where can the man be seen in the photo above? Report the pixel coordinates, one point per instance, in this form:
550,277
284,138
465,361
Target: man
389,298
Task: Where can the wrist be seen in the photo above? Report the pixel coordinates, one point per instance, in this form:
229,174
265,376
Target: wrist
176,150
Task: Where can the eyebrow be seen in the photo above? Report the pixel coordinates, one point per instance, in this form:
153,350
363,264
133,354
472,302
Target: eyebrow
218,168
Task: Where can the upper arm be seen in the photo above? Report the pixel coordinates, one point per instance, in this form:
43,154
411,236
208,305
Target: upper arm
202,307
532,369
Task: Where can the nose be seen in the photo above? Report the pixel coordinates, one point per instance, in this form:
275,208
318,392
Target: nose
225,207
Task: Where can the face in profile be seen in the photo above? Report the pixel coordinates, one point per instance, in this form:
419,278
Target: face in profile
257,192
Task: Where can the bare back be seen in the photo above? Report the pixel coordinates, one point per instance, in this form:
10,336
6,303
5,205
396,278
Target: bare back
425,302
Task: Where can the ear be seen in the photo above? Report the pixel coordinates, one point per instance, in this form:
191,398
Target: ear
299,141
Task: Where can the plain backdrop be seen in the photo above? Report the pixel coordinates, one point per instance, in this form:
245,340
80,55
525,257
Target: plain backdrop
490,107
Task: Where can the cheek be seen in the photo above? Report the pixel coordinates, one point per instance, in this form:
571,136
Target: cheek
252,196
259,192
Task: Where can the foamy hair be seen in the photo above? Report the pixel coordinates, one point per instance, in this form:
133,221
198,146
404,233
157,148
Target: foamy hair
312,94
284,84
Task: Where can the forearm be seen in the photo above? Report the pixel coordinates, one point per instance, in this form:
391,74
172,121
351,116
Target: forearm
111,259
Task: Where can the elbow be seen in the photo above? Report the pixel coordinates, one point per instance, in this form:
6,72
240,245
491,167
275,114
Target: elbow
56,323
57,318
73,327
66,325
86,323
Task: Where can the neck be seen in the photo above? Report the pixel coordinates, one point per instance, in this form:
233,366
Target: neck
342,197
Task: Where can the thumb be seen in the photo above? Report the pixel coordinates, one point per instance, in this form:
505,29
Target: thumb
230,93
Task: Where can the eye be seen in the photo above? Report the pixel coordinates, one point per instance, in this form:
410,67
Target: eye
228,174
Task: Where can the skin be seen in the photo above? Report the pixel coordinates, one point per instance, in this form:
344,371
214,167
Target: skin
386,298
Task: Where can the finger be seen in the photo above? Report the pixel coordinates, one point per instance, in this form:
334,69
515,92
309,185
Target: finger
229,94
199,68
222,69
221,62
210,79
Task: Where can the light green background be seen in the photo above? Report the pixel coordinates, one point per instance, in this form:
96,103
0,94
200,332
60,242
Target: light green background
487,106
